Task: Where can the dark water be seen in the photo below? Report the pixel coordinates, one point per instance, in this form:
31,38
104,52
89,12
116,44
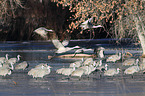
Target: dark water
20,84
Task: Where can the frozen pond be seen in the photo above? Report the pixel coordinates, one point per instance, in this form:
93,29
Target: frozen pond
20,84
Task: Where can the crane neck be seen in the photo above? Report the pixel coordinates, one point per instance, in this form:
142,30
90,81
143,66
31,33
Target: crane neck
100,63
106,67
18,57
12,67
101,54
6,56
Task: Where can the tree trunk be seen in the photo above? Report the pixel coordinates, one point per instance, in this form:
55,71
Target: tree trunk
140,32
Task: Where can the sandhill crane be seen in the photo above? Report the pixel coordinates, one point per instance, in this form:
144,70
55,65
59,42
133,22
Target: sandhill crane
6,69
84,68
102,68
88,69
88,25
78,51
81,50
33,70
3,59
100,52
114,58
88,61
13,60
78,72
40,72
98,63
68,71
142,65
65,42
77,63
8,65
111,72
130,62
1,65
59,71
60,47
40,65
21,65
43,31
132,69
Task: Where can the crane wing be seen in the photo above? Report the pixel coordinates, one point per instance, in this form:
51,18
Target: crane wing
57,44
86,24
97,26
89,20
43,31
65,42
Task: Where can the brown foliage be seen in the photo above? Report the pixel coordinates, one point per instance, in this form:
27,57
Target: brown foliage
115,15
20,18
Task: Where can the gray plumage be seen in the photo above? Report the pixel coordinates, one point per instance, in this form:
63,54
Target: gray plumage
65,42
99,52
78,72
98,63
142,65
13,60
88,69
43,31
88,61
88,25
3,59
59,71
21,65
40,65
82,50
114,58
132,69
68,71
130,62
102,68
77,63
60,47
39,72
111,72
6,69
8,65
91,68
